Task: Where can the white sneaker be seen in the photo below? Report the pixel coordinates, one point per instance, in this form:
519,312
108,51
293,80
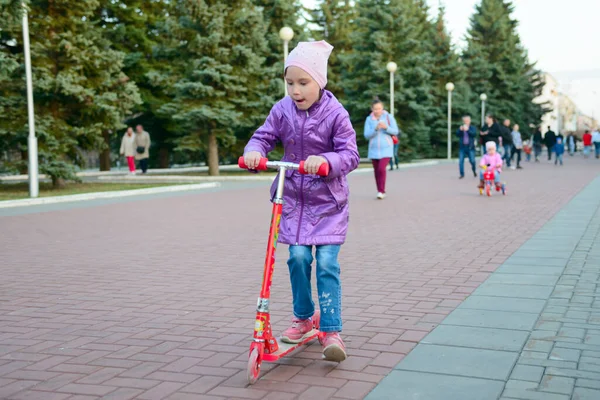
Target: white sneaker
513,167
381,196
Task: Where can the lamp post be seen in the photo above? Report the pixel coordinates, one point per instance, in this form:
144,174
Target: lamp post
449,88
483,98
392,67
286,34
32,148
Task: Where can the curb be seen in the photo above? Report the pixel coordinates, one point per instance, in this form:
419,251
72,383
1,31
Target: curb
104,195
164,189
181,179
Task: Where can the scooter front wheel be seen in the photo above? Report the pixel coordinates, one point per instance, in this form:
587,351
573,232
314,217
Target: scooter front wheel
253,370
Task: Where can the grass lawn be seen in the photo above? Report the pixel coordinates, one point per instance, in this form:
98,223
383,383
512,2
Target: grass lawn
14,191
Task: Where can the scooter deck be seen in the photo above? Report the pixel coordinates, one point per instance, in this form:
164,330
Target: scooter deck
286,348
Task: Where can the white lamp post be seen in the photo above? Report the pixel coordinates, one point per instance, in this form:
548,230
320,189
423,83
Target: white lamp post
392,67
32,148
483,98
286,34
449,88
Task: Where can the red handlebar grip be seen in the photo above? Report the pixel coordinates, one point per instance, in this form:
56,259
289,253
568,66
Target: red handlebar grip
323,169
262,165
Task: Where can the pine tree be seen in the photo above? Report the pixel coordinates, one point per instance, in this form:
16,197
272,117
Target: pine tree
134,27
447,68
79,87
217,73
334,19
13,107
396,31
498,64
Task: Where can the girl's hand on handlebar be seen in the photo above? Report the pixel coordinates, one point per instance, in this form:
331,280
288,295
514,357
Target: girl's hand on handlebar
252,159
312,164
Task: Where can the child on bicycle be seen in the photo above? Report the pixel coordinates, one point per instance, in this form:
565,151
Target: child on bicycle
491,159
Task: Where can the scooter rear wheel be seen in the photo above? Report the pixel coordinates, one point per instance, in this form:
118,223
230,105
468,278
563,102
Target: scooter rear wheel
253,366
488,190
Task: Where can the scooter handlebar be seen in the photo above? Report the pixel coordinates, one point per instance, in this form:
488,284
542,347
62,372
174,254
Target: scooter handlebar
264,164
322,171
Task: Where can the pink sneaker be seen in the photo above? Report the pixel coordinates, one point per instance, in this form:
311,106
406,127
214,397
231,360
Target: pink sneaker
333,347
298,331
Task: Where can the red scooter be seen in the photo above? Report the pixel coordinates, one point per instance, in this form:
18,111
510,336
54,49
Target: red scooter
266,347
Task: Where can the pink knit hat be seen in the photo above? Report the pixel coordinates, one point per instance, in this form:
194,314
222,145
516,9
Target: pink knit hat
312,58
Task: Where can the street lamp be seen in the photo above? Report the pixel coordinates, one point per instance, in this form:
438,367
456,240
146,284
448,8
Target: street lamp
483,98
392,67
449,88
286,34
32,145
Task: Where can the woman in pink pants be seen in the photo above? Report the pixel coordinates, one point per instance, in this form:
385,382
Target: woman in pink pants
380,126
128,149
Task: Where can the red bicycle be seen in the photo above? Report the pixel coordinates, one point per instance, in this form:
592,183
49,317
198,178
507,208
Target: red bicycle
489,177
266,347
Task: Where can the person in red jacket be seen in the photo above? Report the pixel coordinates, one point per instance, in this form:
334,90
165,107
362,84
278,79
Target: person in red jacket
587,143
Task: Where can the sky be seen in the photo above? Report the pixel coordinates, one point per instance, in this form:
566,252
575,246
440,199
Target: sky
562,36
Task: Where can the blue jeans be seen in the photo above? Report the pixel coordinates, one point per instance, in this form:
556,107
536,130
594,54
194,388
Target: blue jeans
559,158
597,148
462,153
394,159
507,154
550,151
328,284
496,176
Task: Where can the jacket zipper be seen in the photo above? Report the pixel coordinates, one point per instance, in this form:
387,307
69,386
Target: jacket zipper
301,180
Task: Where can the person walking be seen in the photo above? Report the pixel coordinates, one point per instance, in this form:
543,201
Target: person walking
490,132
128,149
559,149
507,142
466,138
572,143
550,142
596,141
142,147
587,144
537,144
380,126
396,140
517,146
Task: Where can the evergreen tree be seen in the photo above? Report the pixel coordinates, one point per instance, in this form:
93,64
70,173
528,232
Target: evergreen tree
447,68
334,19
217,73
134,27
79,87
13,106
394,30
498,65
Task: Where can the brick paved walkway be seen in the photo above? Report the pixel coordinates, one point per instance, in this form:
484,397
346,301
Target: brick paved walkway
156,299
531,331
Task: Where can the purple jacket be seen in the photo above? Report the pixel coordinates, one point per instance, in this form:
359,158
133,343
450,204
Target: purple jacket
315,209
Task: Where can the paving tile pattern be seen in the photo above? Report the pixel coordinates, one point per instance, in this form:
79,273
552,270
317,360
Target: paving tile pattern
530,331
155,299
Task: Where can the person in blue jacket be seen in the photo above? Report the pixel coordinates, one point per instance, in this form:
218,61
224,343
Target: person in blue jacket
559,149
466,139
380,126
